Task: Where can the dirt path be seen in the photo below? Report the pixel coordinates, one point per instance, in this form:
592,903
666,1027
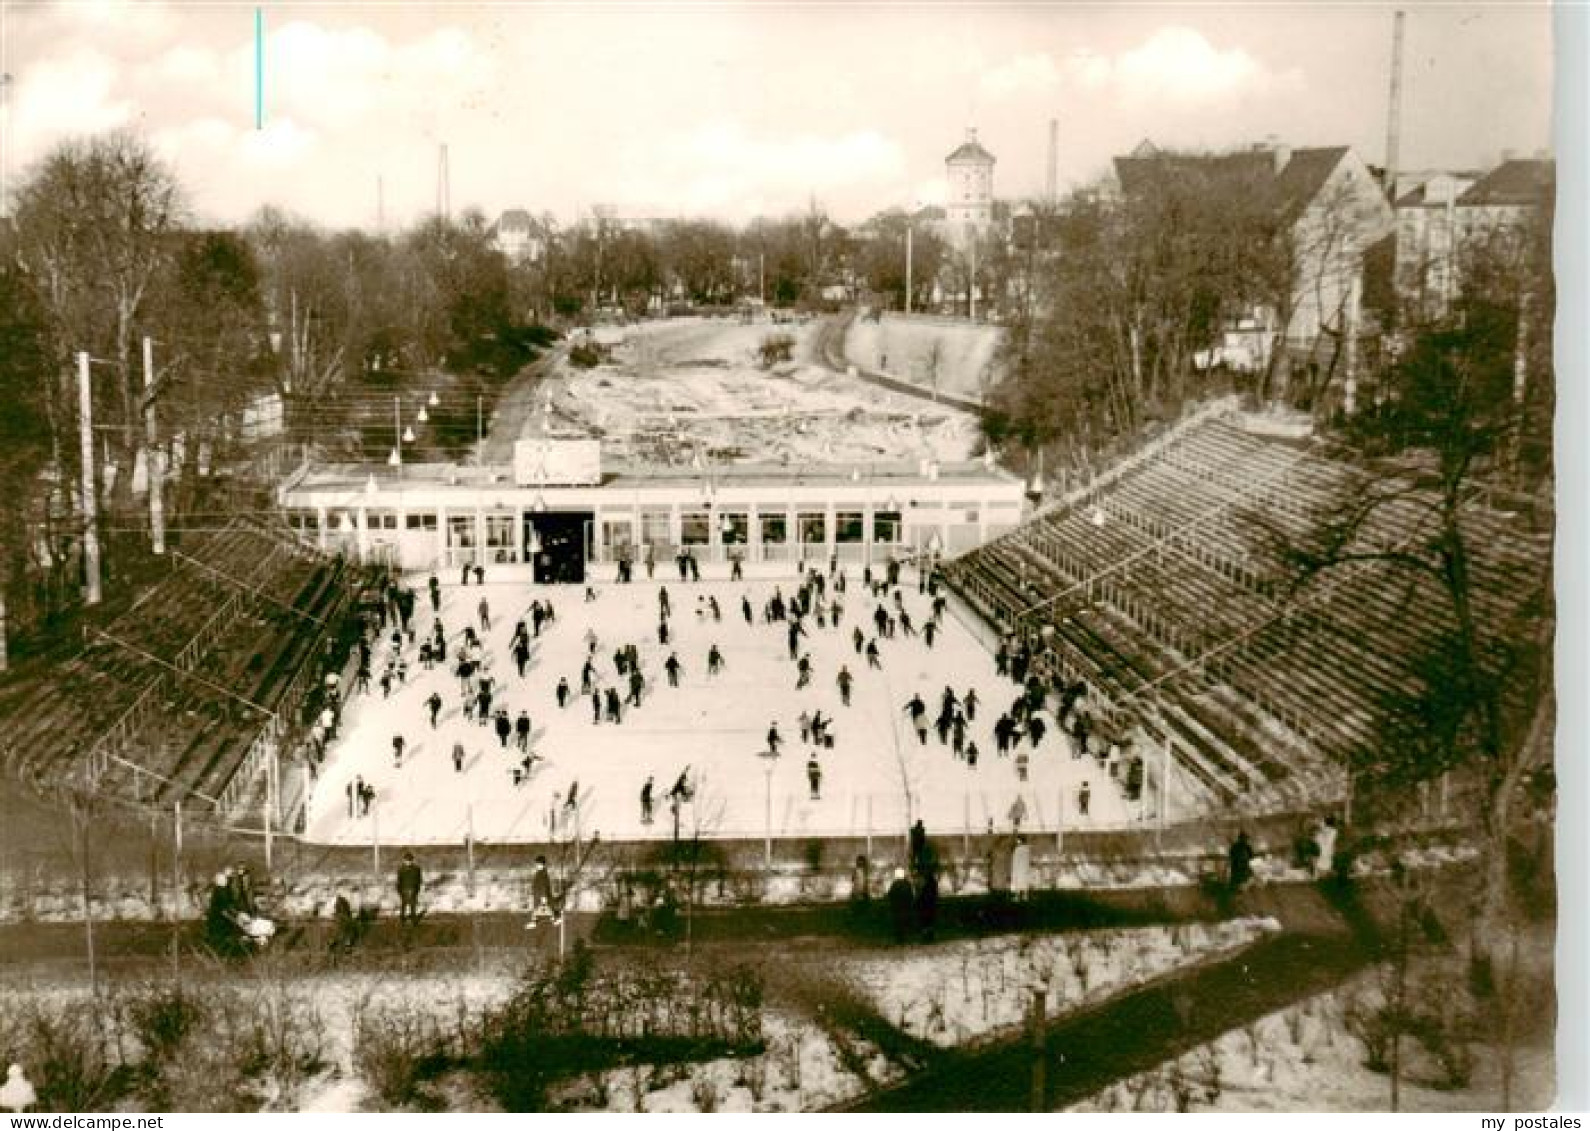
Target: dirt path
515,406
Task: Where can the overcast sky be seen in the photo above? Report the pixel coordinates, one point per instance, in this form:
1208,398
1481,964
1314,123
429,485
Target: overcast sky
734,110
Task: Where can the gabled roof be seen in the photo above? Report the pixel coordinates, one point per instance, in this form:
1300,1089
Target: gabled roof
1306,173
1513,182
1295,184
1139,172
969,152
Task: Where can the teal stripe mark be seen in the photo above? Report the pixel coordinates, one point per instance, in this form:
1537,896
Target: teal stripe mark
259,68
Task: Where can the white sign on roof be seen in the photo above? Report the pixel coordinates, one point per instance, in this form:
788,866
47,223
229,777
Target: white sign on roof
557,463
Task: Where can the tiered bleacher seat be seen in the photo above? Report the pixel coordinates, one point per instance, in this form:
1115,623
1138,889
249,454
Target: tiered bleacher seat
166,687
1166,595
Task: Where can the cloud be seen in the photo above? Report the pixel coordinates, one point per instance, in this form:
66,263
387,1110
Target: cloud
1025,74
1175,65
63,96
1179,63
719,168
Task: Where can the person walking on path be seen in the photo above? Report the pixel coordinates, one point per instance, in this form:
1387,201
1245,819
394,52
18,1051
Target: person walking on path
521,732
714,660
927,902
1021,869
435,705
436,593
563,692
637,685
484,610
397,751
1325,841
843,679
814,777
458,757
541,902
672,666
409,882
1084,799
902,905
774,739
1239,861
646,800
918,845
503,726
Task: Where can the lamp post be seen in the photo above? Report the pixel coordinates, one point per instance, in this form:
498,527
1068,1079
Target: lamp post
395,459
769,760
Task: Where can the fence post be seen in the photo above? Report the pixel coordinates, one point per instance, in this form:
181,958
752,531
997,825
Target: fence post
469,846
154,862
270,807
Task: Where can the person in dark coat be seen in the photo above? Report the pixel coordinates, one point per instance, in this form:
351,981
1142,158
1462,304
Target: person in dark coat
918,845
435,705
860,886
563,691
541,901
220,922
409,882
646,801
902,905
1240,861
347,929
927,903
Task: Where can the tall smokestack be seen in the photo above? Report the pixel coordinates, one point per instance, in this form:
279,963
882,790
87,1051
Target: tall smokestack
1394,110
1051,185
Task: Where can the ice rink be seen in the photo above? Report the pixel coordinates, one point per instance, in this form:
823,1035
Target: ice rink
714,725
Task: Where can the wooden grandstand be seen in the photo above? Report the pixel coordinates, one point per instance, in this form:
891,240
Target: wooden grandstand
183,697
1162,590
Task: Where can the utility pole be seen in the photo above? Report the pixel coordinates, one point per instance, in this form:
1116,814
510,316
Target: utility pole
157,507
971,288
910,231
85,396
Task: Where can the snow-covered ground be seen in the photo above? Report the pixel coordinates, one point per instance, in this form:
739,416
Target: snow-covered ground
958,358
670,387
950,995
714,725
956,993
1304,1059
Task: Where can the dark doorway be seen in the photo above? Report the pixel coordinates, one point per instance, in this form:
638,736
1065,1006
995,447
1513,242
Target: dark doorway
555,543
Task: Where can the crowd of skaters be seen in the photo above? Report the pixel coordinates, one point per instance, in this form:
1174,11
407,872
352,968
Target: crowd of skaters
614,678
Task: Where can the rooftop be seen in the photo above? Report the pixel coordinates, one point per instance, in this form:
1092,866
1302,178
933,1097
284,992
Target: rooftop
1523,182
969,152
356,477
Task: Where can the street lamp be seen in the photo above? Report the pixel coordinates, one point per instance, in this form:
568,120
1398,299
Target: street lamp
769,760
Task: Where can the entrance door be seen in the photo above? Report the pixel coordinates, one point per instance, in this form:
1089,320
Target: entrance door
555,544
